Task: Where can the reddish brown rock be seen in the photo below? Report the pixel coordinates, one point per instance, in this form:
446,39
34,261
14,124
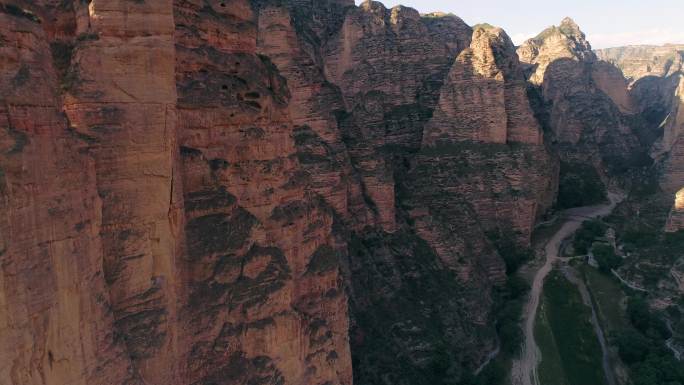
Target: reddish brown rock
657,85
56,324
264,300
200,191
676,220
640,61
588,114
484,98
121,95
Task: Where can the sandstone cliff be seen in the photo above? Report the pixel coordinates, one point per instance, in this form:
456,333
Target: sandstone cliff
657,85
586,107
640,61
237,192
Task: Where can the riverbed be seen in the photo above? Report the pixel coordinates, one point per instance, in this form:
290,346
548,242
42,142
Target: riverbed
524,369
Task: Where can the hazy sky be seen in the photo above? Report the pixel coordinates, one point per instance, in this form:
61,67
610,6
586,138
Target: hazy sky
607,23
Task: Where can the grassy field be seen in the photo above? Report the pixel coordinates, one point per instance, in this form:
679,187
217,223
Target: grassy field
607,294
571,354
550,370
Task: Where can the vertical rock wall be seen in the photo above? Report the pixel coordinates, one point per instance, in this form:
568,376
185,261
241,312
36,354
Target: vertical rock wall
205,191
56,319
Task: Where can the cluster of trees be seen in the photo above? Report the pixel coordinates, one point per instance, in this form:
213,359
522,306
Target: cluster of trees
606,258
580,185
510,250
640,237
605,254
511,297
643,347
586,235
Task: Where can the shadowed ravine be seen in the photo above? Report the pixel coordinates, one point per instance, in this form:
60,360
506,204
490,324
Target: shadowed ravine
524,370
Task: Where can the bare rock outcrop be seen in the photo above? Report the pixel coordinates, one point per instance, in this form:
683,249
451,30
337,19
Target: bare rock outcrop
484,101
484,98
261,191
56,323
587,111
657,85
640,61
265,301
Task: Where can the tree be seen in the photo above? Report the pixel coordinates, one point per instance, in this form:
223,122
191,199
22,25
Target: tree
632,346
606,258
586,235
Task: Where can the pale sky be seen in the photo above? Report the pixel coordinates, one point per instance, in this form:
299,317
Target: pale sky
607,23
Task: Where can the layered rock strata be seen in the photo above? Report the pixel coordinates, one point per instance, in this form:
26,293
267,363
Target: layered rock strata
657,85
56,322
202,192
587,111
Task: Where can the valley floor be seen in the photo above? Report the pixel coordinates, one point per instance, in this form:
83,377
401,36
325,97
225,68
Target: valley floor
524,370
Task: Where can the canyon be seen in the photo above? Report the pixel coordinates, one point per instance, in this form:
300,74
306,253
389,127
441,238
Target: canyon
285,192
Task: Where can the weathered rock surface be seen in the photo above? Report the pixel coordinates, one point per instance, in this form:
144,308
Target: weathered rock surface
484,97
587,111
657,85
640,61
265,301
236,192
56,323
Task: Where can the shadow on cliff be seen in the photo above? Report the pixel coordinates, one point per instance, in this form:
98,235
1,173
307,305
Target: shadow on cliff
596,138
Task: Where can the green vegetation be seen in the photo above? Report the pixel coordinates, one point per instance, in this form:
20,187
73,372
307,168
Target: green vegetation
640,237
640,339
641,346
87,37
570,350
512,253
550,370
587,234
650,252
607,294
509,315
69,75
510,300
485,26
606,257
580,185
436,15
543,35
511,297
407,329
645,321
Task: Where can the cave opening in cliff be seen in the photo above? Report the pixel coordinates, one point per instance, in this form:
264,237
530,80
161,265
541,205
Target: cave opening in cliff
679,200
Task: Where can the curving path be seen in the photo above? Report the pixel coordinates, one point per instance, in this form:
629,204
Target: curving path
524,370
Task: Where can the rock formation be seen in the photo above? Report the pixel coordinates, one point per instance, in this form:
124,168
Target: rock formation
657,85
640,61
586,107
236,192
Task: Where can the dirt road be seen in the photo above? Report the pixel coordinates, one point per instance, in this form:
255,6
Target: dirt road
524,370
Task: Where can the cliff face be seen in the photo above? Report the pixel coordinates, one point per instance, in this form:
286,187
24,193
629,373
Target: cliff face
657,85
157,219
640,61
234,192
265,301
671,150
56,323
586,107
